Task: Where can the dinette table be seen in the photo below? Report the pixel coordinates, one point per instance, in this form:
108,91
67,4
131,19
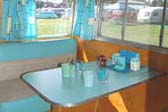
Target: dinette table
68,92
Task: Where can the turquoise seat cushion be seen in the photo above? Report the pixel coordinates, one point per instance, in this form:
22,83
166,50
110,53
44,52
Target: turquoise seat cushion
30,104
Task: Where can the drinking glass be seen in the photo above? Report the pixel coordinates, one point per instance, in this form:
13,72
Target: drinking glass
66,69
102,74
88,77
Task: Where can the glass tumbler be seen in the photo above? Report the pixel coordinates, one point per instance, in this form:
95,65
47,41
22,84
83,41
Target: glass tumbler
102,74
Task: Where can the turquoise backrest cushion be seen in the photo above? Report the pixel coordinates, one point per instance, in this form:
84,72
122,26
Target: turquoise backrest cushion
29,50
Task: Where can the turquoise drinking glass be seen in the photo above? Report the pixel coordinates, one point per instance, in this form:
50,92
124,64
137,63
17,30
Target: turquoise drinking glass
66,69
102,74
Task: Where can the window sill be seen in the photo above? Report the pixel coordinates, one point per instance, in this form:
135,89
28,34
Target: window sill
36,40
53,38
133,44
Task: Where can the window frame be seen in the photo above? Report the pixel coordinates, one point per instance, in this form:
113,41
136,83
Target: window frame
156,48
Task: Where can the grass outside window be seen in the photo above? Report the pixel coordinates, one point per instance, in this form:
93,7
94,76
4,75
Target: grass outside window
165,40
141,33
53,27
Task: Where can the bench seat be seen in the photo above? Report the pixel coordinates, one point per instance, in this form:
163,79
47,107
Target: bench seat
14,89
18,58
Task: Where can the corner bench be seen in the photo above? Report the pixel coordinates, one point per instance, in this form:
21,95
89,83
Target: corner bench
18,58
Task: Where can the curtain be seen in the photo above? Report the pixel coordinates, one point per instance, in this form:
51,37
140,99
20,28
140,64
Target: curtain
18,20
84,25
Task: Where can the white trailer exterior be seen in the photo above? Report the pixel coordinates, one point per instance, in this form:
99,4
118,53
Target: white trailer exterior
151,15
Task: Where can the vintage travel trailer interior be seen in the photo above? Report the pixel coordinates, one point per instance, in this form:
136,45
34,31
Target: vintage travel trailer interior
83,55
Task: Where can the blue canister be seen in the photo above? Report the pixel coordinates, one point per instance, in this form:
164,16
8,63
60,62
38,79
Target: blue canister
120,63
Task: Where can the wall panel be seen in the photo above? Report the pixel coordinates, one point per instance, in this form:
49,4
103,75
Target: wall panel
151,96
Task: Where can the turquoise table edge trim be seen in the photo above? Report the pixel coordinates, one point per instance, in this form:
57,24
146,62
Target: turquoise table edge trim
29,104
152,74
29,50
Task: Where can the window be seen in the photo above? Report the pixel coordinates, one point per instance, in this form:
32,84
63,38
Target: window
146,14
165,36
155,14
0,15
111,20
143,24
136,20
54,17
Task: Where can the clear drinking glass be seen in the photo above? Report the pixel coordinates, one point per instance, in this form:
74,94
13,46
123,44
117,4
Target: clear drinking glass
88,77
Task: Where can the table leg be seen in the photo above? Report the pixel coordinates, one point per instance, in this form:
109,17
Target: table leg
51,108
97,103
55,108
59,110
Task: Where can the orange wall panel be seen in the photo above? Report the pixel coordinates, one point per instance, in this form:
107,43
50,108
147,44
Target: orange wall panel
157,95
147,97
